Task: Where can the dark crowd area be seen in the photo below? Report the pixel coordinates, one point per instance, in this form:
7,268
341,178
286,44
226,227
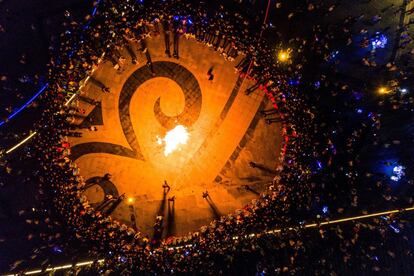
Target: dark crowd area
340,77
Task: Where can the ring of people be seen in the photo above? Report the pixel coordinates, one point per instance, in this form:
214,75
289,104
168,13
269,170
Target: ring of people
169,143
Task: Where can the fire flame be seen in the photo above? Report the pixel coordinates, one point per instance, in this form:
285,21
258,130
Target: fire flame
174,138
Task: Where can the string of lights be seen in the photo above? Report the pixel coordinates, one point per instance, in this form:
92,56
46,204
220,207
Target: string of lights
271,232
25,140
303,166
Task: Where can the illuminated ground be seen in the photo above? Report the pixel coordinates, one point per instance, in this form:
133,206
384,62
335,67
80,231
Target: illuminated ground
226,132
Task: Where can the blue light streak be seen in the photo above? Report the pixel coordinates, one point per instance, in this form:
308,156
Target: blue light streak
94,10
396,230
25,105
393,227
96,7
47,84
319,164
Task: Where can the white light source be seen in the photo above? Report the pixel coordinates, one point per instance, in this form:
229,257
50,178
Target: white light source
403,90
398,173
174,138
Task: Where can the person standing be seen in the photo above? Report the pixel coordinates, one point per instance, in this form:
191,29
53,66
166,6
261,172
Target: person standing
166,187
167,33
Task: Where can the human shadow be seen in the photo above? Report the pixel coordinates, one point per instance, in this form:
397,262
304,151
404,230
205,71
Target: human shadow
262,167
249,189
213,208
158,225
171,226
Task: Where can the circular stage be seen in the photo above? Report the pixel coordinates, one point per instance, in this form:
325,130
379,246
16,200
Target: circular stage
171,122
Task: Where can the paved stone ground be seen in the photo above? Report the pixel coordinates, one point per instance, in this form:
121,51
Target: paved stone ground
226,133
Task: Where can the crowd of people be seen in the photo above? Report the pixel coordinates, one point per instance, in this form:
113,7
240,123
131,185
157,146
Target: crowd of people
320,151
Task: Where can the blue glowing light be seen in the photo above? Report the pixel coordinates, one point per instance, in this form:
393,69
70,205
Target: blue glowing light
379,41
317,84
325,209
25,105
394,178
397,173
293,82
176,18
57,249
96,8
316,166
392,226
190,22
333,55
359,110
403,90
319,164
333,149
396,229
357,95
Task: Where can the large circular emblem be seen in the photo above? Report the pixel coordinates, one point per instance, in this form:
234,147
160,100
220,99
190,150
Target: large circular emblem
152,99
